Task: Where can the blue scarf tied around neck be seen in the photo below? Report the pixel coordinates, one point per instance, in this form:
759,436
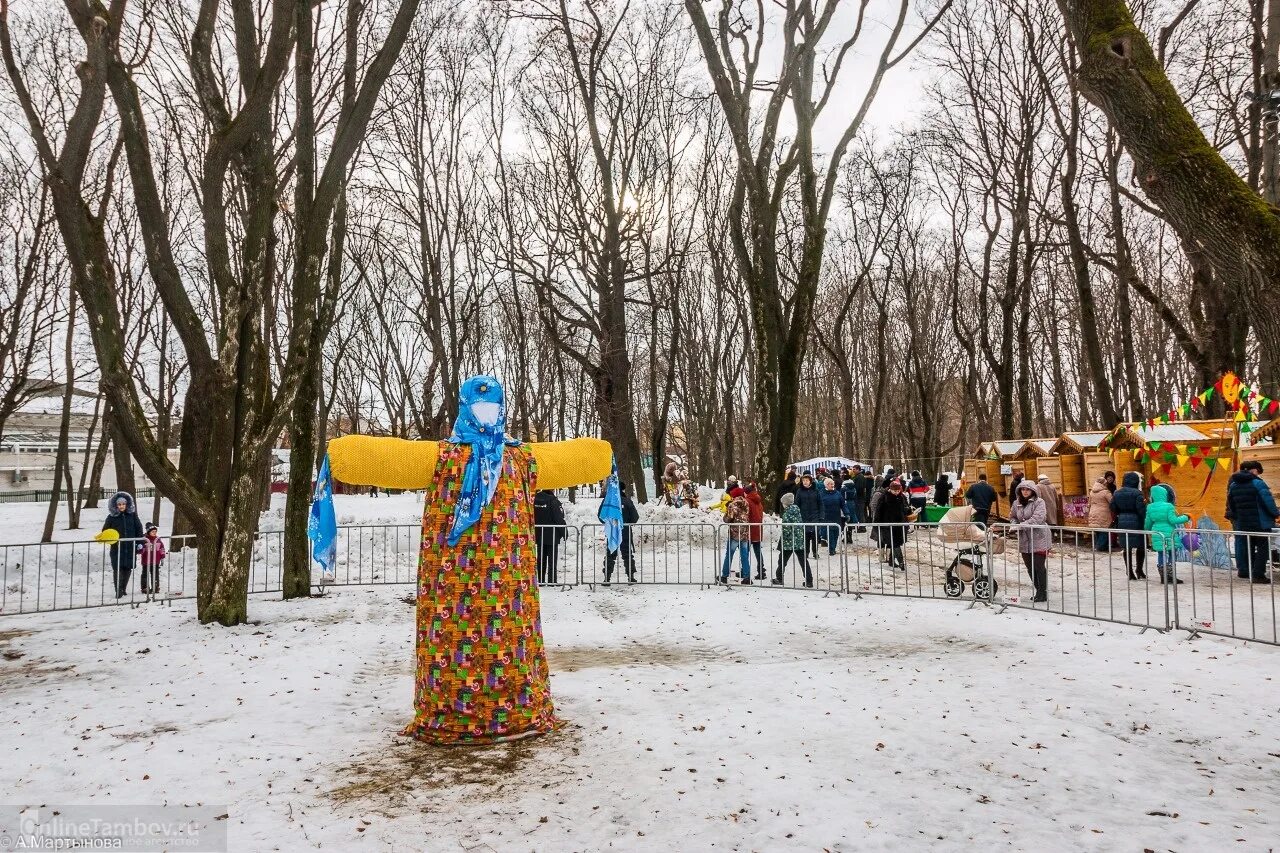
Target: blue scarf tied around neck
481,423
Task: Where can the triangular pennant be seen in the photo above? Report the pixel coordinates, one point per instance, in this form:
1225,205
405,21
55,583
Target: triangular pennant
1155,445
1183,459
1211,461
1244,427
1207,395
1166,467
1195,461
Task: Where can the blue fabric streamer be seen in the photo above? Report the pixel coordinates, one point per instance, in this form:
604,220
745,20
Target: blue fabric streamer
610,514
322,526
481,423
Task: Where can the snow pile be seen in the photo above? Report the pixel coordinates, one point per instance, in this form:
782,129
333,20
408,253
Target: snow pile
696,720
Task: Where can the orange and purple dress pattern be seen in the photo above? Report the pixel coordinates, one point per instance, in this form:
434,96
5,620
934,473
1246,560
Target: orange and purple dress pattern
481,667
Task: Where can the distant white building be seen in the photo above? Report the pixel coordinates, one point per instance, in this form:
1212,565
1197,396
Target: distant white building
29,446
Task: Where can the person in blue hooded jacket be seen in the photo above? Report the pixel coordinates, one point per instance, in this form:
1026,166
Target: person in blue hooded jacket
1252,512
122,517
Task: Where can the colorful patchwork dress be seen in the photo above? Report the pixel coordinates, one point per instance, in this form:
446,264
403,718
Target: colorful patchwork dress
481,674
481,670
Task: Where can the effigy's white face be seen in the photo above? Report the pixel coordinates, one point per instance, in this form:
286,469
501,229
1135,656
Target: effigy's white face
486,413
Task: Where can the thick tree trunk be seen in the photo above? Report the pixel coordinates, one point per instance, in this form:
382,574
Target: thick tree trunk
1205,201
121,458
94,491
64,430
223,566
303,442
194,438
1097,370
87,461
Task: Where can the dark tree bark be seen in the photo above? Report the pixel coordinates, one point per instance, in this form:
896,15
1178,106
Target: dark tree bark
64,428
234,387
1201,196
765,169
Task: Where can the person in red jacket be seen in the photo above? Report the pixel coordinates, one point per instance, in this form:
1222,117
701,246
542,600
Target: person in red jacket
755,515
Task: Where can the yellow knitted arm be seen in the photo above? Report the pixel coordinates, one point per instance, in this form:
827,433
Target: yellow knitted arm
390,463
571,463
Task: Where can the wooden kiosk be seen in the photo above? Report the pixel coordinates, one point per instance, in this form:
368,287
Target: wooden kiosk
1007,454
983,461
1067,467
1195,458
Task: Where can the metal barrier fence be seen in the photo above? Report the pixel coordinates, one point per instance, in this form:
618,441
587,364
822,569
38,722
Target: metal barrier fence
44,495
1106,575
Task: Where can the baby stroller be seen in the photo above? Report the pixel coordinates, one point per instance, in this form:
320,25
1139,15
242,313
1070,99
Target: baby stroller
970,564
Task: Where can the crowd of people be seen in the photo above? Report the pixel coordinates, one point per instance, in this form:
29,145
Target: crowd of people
819,510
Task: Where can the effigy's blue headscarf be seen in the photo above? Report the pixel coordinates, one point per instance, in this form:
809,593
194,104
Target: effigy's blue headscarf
481,423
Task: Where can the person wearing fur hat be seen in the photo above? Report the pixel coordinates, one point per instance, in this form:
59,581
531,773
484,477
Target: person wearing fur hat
1030,514
122,517
809,501
793,541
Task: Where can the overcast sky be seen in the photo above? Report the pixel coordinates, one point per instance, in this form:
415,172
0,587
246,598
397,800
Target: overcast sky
899,99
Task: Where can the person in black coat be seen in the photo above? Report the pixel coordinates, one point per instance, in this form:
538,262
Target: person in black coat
630,515
892,511
1252,510
786,487
863,485
942,491
982,497
810,503
549,524
122,517
1130,508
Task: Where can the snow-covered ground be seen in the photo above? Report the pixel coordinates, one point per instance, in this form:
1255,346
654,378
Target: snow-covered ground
698,720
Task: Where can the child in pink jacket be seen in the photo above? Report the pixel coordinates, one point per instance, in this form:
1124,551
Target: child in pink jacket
151,555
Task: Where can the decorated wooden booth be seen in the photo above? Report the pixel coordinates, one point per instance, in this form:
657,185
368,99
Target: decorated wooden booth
1196,456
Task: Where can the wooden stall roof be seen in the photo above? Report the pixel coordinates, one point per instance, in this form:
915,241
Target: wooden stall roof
1268,430
1008,449
1131,437
1078,442
1034,447
984,450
